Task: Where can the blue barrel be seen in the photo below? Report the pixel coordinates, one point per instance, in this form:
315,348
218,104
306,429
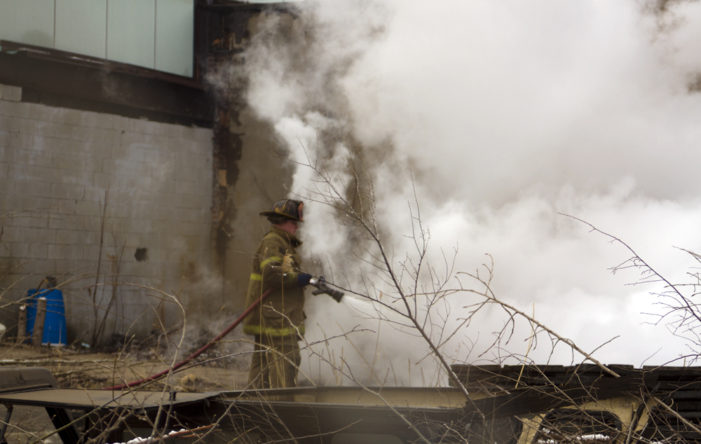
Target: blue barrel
55,322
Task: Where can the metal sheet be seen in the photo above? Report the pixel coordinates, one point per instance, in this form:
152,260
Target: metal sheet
92,399
417,397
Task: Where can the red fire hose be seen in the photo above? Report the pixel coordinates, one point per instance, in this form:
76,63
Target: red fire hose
196,353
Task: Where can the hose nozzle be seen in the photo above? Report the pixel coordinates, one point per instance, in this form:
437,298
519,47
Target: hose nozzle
322,287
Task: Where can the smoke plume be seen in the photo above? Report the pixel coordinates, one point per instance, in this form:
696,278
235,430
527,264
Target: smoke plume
483,122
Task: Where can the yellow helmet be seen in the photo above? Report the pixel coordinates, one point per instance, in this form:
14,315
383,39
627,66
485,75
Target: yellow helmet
287,208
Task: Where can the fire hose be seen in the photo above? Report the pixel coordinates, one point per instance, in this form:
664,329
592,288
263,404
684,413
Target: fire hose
321,287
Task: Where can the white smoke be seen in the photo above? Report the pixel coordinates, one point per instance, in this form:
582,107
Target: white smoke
491,119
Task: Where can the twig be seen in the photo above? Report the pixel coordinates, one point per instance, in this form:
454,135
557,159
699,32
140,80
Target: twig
638,262
99,266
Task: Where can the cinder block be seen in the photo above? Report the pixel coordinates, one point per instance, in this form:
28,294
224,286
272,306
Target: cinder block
69,253
9,232
73,222
89,119
106,121
193,229
128,138
17,109
167,215
202,137
38,204
82,267
109,166
96,193
90,237
13,122
56,251
135,142
74,237
30,221
101,181
190,215
71,162
157,158
184,187
90,138
5,139
47,145
149,206
35,270
88,208
41,235
130,267
141,126
64,190
117,224
38,126
193,165
67,237
170,199
84,138
189,201
19,249
25,171
117,207
29,188
63,116
32,157
38,250
65,206
7,154
197,149
103,139
7,109
10,93
89,252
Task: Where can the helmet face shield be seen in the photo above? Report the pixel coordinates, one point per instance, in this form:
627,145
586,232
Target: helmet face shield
288,208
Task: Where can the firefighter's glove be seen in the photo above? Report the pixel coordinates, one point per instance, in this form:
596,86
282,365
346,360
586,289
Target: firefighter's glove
303,279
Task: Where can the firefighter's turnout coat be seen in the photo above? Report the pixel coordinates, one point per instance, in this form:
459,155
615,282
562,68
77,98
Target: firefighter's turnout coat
276,266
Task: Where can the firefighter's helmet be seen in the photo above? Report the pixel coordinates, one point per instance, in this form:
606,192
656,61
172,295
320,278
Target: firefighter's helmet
287,208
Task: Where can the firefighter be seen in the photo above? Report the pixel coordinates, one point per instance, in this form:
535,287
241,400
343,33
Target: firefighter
278,323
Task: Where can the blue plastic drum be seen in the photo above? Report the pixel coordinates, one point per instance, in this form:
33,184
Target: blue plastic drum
55,322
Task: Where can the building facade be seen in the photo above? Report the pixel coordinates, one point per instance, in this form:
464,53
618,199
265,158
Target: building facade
120,165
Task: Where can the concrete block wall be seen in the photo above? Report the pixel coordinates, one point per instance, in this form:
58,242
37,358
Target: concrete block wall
95,198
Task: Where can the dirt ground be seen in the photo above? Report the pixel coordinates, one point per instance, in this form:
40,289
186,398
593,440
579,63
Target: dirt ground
78,368
83,369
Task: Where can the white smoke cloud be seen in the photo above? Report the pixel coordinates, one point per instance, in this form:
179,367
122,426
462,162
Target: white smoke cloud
495,118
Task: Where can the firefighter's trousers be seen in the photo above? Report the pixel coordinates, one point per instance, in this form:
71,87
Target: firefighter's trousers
275,362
